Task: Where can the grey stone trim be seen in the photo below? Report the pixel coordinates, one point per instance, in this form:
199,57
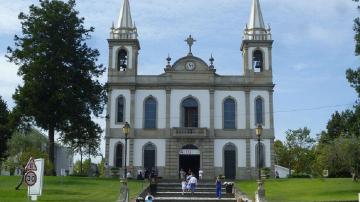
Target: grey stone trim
131,152
212,112
248,158
132,113
247,107
272,156
168,97
107,146
271,111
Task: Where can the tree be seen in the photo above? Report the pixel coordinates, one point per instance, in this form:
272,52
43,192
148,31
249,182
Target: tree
26,144
57,68
5,130
301,150
282,154
83,136
353,76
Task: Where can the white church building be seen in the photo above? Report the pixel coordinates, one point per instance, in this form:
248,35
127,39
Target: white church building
190,117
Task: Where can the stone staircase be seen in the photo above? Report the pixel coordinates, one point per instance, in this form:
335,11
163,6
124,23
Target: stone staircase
170,191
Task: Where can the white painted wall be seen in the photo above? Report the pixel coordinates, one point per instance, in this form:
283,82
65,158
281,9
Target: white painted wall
160,151
253,143
265,96
218,151
114,94
160,96
203,96
129,50
112,144
283,172
265,52
239,96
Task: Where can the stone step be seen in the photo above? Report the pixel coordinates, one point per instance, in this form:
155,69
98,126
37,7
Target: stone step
189,199
177,189
189,194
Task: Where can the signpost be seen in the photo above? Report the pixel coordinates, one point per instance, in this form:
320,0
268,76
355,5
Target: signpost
34,177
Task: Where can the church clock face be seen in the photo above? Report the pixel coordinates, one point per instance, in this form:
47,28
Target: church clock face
190,66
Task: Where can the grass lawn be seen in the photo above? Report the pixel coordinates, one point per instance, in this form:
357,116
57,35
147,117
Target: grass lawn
303,190
70,189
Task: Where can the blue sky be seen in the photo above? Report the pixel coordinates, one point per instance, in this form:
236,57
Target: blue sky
313,46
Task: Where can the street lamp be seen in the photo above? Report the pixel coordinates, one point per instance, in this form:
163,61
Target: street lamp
261,190
126,129
258,132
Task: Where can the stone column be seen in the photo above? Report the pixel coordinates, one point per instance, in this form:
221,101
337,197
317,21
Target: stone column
212,113
271,109
168,96
132,130
247,107
248,158
107,133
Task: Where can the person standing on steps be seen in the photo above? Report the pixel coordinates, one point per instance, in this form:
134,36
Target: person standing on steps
193,182
218,187
201,172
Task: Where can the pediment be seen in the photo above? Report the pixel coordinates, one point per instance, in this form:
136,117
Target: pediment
190,64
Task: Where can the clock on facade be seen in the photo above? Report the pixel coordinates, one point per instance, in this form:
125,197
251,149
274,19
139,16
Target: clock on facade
190,66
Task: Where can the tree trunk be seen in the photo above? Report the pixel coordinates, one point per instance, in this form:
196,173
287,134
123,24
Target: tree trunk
52,149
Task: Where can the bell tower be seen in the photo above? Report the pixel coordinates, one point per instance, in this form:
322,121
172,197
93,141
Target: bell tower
124,45
256,45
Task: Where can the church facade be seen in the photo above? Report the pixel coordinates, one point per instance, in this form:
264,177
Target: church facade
190,117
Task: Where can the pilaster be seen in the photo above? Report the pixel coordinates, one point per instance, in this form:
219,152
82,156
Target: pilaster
271,103
248,158
247,106
212,112
168,96
132,130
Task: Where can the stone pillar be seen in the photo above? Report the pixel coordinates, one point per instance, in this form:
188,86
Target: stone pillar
248,158
107,134
212,113
271,108
168,97
207,158
132,130
247,107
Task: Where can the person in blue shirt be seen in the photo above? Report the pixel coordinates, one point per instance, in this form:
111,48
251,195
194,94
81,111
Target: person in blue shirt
218,187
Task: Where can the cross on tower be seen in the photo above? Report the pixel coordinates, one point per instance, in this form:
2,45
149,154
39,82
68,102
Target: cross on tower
190,41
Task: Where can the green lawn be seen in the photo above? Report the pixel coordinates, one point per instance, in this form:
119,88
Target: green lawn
303,190
70,189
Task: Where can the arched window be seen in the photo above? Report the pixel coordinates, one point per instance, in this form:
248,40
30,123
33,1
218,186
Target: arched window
258,61
190,112
260,160
230,161
259,111
119,155
120,101
229,113
122,60
150,113
149,156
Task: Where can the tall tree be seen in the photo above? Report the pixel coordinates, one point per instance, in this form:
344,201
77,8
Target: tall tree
301,149
5,130
58,68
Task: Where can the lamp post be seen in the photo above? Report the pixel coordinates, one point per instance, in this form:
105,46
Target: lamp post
126,129
258,132
260,196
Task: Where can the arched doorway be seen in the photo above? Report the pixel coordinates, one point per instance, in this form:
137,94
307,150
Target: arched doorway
189,159
149,156
230,161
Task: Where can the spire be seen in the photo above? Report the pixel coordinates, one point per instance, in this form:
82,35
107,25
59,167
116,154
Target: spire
125,20
256,19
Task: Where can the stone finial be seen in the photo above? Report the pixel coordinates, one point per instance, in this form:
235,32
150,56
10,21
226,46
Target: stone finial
168,59
211,62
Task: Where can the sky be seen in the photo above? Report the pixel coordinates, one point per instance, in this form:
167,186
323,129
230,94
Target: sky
313,47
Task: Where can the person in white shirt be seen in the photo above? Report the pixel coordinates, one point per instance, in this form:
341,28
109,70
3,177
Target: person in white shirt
183,186
201,172
193,182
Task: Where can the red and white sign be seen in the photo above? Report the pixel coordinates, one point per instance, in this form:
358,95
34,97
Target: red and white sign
31,165
30,178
